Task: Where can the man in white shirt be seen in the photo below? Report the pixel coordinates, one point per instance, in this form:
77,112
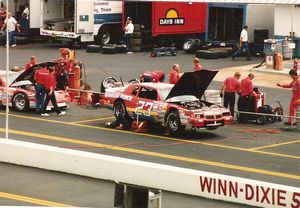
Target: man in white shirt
129,34
243,44
10,23
25,13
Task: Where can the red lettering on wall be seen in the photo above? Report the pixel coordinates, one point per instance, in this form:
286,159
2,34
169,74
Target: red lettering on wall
222,186
265,195
249,192
296,200
233,189
281,198
205,184
257,193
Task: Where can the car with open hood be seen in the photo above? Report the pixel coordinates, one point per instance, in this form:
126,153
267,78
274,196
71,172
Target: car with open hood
21,91
174,106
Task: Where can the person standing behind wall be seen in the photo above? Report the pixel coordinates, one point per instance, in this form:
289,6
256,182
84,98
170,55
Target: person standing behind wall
231,86
295,85
40,77
11,23
243,44
129,34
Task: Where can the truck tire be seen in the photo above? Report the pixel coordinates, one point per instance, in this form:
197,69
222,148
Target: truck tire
93,48
137,28
103,37
189,46
207,54
109,49
137,42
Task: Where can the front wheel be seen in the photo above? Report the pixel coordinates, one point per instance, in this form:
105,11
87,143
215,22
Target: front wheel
20,102
173,123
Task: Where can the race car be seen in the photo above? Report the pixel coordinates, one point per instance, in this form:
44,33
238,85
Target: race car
174,106
21,92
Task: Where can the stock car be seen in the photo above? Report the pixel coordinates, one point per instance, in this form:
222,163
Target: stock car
174,106
21,92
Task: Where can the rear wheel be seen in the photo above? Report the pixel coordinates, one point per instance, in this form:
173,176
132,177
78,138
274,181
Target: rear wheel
20,102
103,37
121,114
173,123
260,120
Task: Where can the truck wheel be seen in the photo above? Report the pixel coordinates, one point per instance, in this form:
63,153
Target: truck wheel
20,102
189,46
93,48
173,123
107,83
103,37
109,49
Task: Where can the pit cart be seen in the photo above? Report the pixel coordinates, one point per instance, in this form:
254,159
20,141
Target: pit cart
164,51
256,104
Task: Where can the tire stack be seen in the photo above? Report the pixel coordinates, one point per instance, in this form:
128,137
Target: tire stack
137,38
191,45
259,37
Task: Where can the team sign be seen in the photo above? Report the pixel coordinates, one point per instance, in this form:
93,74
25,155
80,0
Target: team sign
172,18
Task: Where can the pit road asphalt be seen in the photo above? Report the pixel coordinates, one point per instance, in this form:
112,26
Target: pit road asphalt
233,150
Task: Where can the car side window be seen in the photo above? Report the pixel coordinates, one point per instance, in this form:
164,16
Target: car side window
135,90
148,93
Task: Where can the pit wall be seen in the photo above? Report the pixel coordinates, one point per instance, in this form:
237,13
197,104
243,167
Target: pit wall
145,174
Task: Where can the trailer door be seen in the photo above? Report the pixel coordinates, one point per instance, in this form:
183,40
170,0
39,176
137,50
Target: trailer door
84,16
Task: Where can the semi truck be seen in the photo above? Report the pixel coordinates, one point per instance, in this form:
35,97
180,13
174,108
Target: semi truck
102,21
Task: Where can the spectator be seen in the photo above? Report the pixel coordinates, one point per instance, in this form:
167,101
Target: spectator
295,85
231,86
50,94
197,65
25,13
62,78
31,63
40,78
129,34
10,23
174,74
243,44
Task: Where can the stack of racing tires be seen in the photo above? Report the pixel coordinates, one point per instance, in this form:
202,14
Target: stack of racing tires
137,38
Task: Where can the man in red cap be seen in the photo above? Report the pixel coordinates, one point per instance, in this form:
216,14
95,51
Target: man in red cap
31,62
174,74
295,85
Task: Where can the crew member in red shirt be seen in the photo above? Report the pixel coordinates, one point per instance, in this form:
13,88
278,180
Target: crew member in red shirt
50,95
295,85
231,86
246,100
197,65
31,62
174,74
40,77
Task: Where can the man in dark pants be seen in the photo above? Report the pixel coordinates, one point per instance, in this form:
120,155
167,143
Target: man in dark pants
243,44
50,95
40,77
129,27
231,86
247,99
62,78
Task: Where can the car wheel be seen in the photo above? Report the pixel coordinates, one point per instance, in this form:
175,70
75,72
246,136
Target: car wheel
20,102
107,83
173,123
189,46
134,81
260,120
120,112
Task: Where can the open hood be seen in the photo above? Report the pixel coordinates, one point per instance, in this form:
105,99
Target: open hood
192,83
29,73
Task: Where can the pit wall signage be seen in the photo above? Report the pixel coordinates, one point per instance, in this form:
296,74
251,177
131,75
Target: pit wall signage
255,193
171,18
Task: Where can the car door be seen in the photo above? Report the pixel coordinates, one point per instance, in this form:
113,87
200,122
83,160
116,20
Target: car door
146,98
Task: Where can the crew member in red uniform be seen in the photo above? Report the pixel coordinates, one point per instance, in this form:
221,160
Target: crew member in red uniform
231,86
40,77
31,62
50,95
247,99
197,65
295,85
174,74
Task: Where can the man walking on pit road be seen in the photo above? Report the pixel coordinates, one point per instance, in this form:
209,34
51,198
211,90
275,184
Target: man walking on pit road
231,86
243,44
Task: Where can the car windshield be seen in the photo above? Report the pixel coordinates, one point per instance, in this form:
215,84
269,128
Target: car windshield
11,77
164,92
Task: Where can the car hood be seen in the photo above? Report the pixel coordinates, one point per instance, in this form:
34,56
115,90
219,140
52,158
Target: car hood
192,83
29,73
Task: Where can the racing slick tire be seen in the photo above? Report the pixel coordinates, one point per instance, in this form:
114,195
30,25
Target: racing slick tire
107,83
189,46
109,49
121,114
93,48
260,120
206,54
174,126
20,102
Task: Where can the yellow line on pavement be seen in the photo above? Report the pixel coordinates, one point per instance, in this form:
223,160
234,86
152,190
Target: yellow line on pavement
32,200
90,120
155,154
275,145
156,136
